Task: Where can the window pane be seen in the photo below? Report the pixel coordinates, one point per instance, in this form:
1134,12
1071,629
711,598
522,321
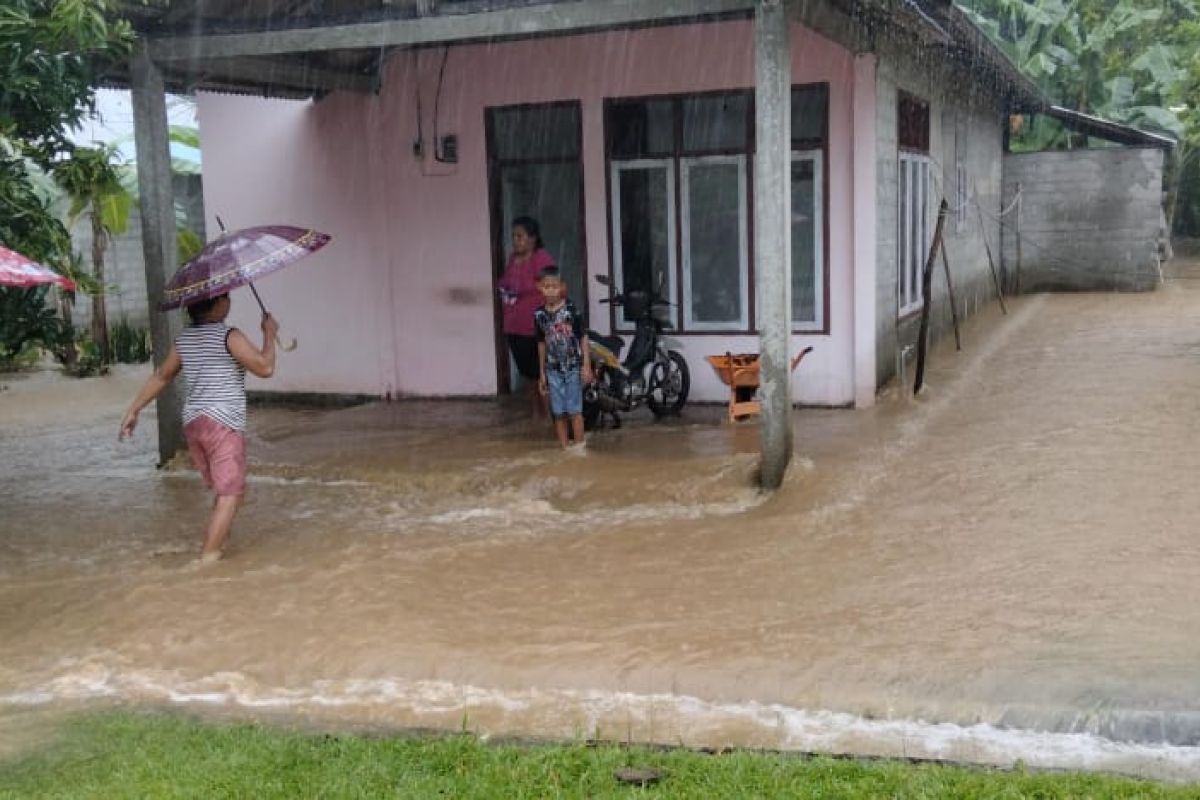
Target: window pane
902,249
915,233
716,122
809,108
536,132
805,230
644,195
714,245
640,128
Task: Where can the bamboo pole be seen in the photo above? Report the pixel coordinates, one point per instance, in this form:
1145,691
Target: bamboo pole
950,292
927,296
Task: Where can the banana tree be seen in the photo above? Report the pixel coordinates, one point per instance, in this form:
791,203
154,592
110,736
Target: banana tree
93,184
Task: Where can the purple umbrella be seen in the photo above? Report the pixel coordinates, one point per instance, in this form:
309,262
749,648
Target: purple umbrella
237,259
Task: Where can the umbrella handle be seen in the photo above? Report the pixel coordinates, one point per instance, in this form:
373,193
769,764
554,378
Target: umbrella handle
285,347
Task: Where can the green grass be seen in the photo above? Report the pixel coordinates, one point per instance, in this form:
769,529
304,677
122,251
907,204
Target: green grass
117,755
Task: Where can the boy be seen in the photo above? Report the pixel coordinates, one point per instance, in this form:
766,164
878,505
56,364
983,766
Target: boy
563,356
214,359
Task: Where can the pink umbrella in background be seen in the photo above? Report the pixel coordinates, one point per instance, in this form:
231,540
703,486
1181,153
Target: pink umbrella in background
19,271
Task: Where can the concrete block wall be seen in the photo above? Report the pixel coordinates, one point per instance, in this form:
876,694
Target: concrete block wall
966,127
124,266
1090,220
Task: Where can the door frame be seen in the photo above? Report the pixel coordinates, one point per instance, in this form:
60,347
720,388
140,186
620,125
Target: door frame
498,236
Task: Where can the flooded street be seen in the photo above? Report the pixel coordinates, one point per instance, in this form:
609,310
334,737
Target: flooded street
1005,567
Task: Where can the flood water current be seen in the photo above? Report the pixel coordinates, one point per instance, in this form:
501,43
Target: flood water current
1005,567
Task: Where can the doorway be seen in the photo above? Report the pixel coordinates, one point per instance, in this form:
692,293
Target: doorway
535,169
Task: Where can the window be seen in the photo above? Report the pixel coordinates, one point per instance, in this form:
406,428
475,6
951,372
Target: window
681,206
716,270
912,136
808,240
913,123
643,218
914,229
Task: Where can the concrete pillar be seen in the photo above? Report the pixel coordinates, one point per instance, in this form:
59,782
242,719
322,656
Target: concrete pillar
865,255
773,234
159,245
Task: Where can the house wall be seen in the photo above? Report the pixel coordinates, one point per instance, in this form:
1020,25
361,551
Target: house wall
966,126
1089,219
401,302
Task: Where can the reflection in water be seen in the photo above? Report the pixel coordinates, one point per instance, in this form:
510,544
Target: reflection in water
1013,551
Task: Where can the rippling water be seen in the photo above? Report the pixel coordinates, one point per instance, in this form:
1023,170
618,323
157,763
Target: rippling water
1005,567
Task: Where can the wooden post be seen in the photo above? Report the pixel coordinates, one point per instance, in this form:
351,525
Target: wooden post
950,293
927,296
991,262
773,235
158,230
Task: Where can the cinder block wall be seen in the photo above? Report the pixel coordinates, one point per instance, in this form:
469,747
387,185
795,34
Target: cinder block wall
124,265
1090,219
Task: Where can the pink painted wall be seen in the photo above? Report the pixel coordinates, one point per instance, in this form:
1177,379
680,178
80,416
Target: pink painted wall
402,300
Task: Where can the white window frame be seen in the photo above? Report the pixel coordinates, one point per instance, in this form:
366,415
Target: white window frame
616,168
743,321
818,159
909,267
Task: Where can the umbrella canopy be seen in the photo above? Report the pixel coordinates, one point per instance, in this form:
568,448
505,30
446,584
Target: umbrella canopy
17,270
237,258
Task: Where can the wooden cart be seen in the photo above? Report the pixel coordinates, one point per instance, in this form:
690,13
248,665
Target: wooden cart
740,373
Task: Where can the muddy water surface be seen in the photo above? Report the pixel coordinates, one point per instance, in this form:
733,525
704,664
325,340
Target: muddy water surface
1013,555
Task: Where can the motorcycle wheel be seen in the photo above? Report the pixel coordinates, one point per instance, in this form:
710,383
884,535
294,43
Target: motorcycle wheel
591,408
591,415
671,384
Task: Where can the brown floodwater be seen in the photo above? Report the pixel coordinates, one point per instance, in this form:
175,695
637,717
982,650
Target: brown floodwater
1005,567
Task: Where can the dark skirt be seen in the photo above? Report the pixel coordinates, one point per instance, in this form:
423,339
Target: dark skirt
524,351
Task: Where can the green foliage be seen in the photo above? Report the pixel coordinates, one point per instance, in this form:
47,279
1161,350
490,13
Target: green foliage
51,52
130,345
91,177
190,244
1131,61
26,320
131,755
89,359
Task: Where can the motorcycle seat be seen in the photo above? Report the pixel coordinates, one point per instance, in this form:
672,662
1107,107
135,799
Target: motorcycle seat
613,343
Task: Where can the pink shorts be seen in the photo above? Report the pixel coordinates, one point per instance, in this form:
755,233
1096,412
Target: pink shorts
219,453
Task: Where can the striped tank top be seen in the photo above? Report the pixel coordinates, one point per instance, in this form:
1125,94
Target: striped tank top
216,382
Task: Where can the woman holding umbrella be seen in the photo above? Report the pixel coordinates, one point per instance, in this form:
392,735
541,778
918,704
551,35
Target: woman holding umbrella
214,359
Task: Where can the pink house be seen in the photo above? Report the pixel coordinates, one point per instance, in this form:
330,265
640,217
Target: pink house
416,132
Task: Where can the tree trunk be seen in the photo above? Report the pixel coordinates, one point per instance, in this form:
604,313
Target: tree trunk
70,353
99,309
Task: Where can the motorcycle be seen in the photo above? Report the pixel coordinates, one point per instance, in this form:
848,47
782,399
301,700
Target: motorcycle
652,373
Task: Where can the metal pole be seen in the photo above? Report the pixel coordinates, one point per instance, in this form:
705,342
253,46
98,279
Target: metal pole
773,234
159,244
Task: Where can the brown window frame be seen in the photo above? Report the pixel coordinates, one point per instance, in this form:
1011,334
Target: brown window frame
676,155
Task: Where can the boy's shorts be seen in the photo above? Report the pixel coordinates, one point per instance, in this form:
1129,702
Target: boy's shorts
566,392
219,453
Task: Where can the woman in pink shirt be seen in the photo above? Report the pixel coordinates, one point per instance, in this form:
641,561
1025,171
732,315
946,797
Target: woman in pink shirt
521,298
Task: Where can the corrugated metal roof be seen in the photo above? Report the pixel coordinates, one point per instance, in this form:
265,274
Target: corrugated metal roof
1107,130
